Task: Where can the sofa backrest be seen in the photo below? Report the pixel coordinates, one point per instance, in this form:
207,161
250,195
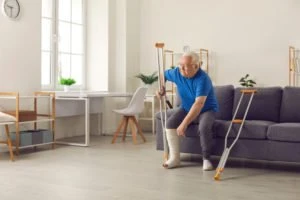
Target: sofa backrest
224,96
265,105
290,105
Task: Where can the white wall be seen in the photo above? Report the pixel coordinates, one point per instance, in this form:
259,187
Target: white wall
124,44
132,43
20,49
124,48
243,36
97,45
117,45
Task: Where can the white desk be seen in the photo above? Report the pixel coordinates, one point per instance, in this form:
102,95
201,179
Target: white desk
93,103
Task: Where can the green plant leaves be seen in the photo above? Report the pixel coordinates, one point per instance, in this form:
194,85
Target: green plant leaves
67,81
251,81
148,79
246,82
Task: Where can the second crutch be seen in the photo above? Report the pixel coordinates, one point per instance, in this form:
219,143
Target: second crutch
227,150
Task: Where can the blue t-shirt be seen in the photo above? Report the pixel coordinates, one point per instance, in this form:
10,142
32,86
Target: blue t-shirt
191,88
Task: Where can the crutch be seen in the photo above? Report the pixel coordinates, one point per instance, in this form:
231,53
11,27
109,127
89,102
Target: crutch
162,101
227,150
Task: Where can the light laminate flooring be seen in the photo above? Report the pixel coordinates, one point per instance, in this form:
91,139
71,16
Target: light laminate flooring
124,171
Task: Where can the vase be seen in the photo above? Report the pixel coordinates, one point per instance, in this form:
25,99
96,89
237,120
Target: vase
66,88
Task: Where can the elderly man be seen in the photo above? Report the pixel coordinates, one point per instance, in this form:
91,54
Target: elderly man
198,103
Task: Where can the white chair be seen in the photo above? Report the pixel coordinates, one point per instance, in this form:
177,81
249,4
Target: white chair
5,120
135,107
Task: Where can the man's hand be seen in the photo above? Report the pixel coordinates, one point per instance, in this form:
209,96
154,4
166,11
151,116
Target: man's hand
181,129
161,93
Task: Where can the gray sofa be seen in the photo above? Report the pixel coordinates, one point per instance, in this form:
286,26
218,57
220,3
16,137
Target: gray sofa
271,131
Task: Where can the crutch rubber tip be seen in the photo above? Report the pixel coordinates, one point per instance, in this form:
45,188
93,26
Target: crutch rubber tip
217,177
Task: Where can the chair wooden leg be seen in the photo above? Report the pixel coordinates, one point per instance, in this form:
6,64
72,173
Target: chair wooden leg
118,130
9,143
125,128
139,129
133,131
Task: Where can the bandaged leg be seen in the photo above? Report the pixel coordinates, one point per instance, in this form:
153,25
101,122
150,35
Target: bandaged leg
174,153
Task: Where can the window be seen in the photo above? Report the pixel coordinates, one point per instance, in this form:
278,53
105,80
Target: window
63,44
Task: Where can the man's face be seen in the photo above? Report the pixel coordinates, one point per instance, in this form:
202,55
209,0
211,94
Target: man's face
187,67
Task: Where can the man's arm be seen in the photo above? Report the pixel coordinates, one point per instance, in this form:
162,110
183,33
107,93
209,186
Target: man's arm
162,90
192,114
166,76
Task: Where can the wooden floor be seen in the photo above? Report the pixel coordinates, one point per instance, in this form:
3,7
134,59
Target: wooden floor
126,171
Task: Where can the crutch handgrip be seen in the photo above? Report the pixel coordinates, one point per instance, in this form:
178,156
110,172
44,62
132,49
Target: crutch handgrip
248,91
237,121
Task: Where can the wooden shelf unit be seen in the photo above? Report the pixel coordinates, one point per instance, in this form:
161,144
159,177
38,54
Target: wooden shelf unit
31,116
294,66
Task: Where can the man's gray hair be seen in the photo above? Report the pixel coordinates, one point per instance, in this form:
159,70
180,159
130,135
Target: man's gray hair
195,57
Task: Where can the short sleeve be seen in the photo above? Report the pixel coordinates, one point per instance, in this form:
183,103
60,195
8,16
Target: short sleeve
170,75
203,87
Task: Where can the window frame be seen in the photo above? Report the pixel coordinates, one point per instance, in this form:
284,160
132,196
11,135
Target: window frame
54,47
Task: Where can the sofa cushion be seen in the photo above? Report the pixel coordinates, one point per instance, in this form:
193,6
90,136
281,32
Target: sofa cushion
290,110
265,105
285,132
253,129
224,95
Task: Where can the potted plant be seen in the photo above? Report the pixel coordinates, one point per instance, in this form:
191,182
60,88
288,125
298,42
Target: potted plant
247,82
67,82
148,79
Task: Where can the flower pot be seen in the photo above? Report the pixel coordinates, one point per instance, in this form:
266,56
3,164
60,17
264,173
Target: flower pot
151,88
66,88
